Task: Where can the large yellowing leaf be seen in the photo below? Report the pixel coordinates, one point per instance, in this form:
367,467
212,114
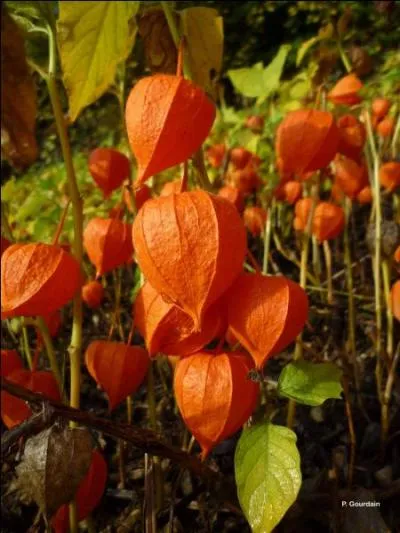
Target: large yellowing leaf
204,33
267,473
18,98
93,38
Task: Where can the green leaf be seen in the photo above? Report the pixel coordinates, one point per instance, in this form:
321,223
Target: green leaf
310,383
304,48
273,72
203,29
248,81
268,475
93,38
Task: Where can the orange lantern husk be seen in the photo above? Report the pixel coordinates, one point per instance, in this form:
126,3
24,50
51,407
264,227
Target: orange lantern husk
306,140
395,299
141,195
301,213
108,244
352,136
14,410
171,187
265,313
167,119
389,175
190,247
215,155
119,369
350,176
37,279
385,127
214,395
255,219
88,496
365,196
93,294
380,107
167,329
346,91
109,169
10,361
328,221
233,195
289,192
246,180
240,157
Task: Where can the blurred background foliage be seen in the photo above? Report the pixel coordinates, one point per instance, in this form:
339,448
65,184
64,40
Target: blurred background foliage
253,33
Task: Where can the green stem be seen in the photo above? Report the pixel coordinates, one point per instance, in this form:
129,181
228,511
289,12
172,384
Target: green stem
267,236
328,264
27,348
389,313
316,259
344,58
44,330
395,138
173,28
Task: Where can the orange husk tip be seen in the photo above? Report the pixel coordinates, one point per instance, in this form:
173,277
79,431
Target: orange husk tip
108,244
328,221
395,299
88,496
109,168
385,127
255,219
167,119
346,90
352,136
13,410
190,247
119,369
365,196
289,192
233,195
389,175
306,141
141,195
246,180
10,361
167,329
37,279
215,155
396,255
255,123
266,313
302,209
214,395
350,176
93,294
240,157
380,107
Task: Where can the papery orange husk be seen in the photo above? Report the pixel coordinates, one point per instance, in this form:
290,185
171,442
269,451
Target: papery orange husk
234,195
142,194
37,279
396,255
385,127
301,211
53,322
365,195
190,247
328,221
108,244
88,496
337,193
240,157
285,174
350,176
254,219
14,410
214,395
167,119
10,361
93,294
246,180
167,329
346,91
109,169
289,191
389,175
171,187
306,140
352,136
5,243
119,369
395,299
215,155
380,107
266,313
255,123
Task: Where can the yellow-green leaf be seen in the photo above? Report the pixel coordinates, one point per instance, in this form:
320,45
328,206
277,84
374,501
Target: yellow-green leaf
203,30
267,473
304,48
93,38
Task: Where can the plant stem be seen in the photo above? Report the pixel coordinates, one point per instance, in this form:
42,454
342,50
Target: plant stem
267,236
27,348
395,138
328,263
76,201
343,57
173,28
389,313
44,330
151,401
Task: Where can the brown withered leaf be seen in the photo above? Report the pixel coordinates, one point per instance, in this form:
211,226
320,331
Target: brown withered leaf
18,97
54,463
159,46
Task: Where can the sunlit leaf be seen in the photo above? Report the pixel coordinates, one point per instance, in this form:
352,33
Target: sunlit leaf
248,81
93,38
267,472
